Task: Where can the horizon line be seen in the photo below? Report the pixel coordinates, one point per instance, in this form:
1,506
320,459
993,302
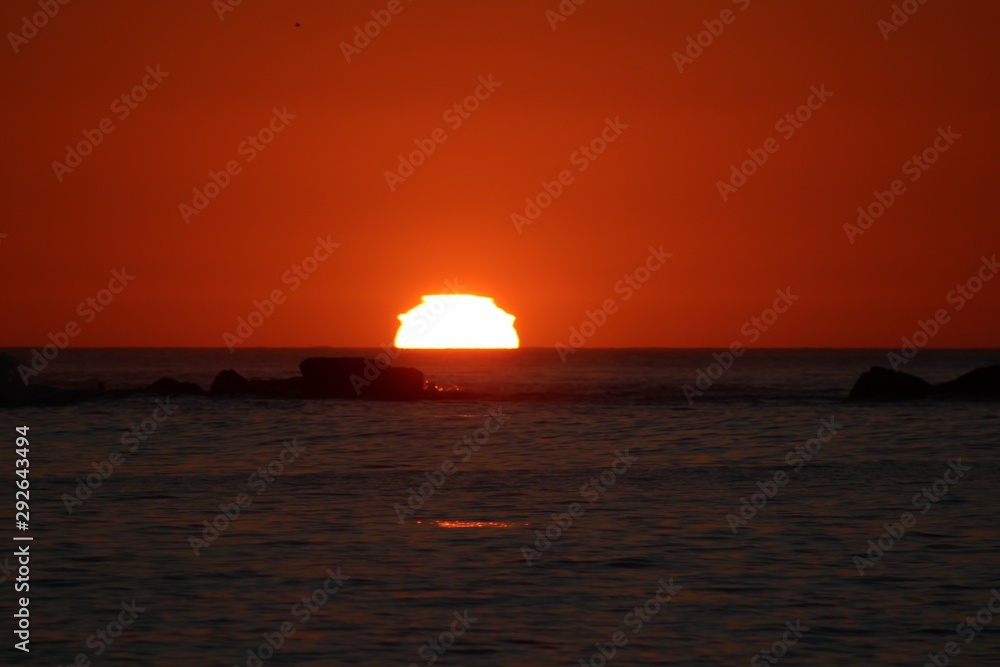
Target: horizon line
547,347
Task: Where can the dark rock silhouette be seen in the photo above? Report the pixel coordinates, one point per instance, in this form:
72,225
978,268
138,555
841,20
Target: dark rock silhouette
331,376
882,383
230,382
356,377
980,382
396,384
322,377
170,386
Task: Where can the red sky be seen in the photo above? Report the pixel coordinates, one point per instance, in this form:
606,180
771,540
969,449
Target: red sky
324,174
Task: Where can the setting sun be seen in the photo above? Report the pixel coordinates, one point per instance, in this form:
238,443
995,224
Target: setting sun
456,321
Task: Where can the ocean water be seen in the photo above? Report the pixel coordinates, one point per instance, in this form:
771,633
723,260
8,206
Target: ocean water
631,483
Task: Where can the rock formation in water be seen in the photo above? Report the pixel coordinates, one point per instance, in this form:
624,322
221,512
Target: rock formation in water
322,377
230,382
980,382
355,377
331,377
880,383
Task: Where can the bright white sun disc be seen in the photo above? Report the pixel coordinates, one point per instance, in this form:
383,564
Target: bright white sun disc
464,321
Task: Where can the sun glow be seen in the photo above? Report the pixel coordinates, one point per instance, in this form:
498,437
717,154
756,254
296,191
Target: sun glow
456,321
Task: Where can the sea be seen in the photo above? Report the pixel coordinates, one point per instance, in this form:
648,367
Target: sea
625,507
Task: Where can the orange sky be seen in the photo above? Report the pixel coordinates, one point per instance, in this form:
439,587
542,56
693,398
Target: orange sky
323,175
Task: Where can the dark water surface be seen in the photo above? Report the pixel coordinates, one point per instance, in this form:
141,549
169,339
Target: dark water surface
543,430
